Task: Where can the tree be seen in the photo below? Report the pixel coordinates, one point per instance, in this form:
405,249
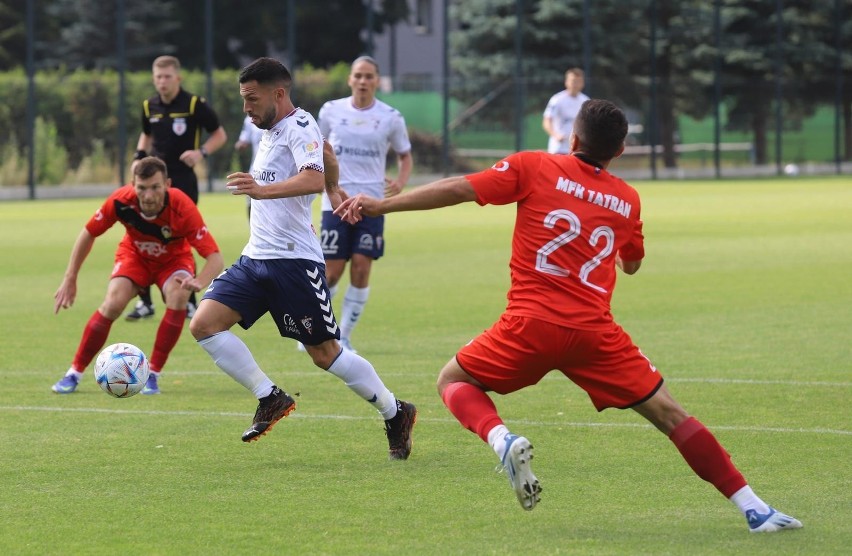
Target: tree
87,33
753,60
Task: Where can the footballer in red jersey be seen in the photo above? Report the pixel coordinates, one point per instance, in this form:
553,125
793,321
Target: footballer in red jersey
575,224
162,226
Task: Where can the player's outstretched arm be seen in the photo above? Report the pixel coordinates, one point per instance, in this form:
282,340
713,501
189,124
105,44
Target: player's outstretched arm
442,193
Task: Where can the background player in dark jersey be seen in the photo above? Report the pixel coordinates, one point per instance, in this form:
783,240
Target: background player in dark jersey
172,121
575,224
162,226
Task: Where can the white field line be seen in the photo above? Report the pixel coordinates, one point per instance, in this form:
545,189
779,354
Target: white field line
557,376
207,414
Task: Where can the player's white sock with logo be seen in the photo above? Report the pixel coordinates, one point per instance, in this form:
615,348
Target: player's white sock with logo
746,499
360,376
353,305
497,439
231,355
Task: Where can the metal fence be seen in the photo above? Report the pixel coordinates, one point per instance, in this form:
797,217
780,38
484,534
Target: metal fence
466,122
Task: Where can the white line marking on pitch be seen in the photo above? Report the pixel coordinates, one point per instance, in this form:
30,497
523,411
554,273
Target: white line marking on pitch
739,428
557,376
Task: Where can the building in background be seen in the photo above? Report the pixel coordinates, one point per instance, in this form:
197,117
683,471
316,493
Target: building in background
410,53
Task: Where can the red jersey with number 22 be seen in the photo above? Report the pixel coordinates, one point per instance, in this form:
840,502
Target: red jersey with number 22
572,219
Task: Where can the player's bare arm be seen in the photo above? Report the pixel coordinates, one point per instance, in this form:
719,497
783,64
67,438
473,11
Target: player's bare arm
212,267
547,125
306,182
333,191
67,292
405,164
442,193
628,267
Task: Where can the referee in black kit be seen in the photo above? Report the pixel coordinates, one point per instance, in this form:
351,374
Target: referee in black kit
172,121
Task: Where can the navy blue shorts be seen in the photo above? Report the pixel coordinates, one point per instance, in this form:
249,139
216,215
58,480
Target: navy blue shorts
293,291
340,240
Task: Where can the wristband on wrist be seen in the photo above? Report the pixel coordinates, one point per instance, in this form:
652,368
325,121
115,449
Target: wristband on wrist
204,152
140,154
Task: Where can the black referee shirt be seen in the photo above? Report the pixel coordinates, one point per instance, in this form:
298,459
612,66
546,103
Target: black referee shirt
176,127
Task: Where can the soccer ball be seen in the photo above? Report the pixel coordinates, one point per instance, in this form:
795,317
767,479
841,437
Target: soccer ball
121,370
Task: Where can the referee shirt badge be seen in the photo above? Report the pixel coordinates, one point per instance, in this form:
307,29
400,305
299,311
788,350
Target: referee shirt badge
179,126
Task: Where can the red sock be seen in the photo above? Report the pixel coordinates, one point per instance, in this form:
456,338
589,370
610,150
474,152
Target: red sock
473,408
94,337
168,335
706,456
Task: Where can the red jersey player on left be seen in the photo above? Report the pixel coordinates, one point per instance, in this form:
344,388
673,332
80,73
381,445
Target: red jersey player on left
162,225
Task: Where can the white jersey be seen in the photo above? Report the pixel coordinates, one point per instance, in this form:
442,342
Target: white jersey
361,138
283,228
563,109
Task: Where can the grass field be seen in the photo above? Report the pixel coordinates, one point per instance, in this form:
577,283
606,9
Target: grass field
744,303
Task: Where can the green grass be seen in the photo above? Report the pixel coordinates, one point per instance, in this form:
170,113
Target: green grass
743,303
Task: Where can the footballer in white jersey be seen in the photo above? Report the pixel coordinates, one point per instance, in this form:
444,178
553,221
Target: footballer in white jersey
562,110
283,228
361,138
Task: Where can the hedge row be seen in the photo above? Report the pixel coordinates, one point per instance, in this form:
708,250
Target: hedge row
79,109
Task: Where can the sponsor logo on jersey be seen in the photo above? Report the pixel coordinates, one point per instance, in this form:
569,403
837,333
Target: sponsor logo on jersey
151,248
311,147
99,214
605,200
501,166
201,232
166,231
357,151
179,126
307,324
266,176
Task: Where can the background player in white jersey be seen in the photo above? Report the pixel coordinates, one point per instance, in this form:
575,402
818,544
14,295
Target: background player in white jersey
250,136
562,110
281,270
361,129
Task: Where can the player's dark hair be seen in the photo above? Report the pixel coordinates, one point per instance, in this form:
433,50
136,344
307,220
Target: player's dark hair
149,166
266,71
600,127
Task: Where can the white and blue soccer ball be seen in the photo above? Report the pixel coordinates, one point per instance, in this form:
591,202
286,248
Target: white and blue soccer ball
121,370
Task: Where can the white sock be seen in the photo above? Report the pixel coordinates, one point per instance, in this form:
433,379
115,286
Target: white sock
75,372
232,356
332,290
353,306
497,440
746,499
360,376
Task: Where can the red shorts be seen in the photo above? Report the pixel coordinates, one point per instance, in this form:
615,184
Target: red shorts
518,351
144,273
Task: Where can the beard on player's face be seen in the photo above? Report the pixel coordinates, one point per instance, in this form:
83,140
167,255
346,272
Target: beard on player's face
266,118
